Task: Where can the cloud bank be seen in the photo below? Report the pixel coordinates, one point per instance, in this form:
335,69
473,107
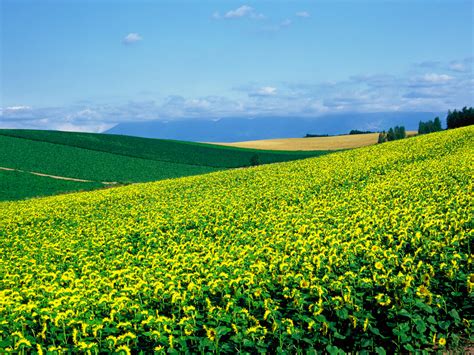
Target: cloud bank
433,86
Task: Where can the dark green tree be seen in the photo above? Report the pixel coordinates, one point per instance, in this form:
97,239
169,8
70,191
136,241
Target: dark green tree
464,117
254,160
437,125
391,134
382,137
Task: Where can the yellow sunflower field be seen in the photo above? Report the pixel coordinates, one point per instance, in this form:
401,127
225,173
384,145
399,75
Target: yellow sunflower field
366,250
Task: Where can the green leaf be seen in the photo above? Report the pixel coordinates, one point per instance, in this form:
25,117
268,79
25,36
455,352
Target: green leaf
404,313
333,350
444,325
379,350
409,347
453,313
420,326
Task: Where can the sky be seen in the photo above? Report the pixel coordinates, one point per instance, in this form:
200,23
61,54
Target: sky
88,65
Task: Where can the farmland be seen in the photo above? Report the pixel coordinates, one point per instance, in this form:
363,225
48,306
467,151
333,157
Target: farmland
347,141
367,249
121,159
18,185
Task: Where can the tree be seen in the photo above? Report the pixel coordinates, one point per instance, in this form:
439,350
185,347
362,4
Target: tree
401,133
382,137
390,134
429,126
254,160
464,117
437,124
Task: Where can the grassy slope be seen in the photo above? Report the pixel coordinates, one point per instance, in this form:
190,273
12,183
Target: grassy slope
348,141
70,161
16,185
311,242
162,150
122,159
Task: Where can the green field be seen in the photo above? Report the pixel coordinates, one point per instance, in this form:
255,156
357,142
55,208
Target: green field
364,251
18,185
121,159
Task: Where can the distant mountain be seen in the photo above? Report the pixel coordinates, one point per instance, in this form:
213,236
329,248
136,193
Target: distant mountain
236,129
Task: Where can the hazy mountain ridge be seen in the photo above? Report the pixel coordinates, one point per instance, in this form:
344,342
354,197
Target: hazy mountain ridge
235,129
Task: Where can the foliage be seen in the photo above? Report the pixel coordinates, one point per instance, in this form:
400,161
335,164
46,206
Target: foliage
356,131
395,133
462,118
363,250
311,135
429,126
17,185
255,160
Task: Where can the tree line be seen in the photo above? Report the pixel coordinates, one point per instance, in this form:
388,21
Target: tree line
397,132
461,118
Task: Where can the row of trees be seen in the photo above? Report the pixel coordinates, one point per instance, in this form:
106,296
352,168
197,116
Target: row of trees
429,126
397,132
356,131
461,118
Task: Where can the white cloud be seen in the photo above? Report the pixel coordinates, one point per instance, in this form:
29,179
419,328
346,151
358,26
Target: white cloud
285,23
268,90
457,66
263,91
437,78
303,14
132,38
240,12
17,108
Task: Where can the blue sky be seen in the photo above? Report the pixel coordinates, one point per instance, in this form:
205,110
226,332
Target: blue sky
87,65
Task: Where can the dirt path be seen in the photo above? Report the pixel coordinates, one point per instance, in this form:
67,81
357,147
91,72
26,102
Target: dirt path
57,177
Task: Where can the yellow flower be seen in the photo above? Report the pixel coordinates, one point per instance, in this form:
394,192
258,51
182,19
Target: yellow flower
366,324
378,265
234,327
125,349
354,320
74,336
22,342
442,341
211,333
188,330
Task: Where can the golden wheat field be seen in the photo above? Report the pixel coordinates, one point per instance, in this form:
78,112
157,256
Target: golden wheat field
365,250
348,141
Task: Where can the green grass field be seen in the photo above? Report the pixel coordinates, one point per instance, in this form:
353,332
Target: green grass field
17,185
163,150
113,158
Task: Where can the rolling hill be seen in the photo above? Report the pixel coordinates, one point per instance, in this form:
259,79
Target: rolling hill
348,141
365,250
101,158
